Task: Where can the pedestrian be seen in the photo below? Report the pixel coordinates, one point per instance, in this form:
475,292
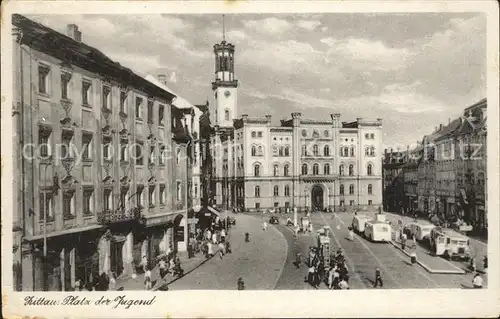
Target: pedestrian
247,237
336,279
222,235
214,238
351,234
403,240
222,250
163,267
147,278
310,275
343,284
241,284
331,272
472,265
144,263
477,281
298,260
378,279
228,247
265,226
210,249
112,281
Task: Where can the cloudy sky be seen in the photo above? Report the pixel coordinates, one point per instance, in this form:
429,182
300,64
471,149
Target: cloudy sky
413,70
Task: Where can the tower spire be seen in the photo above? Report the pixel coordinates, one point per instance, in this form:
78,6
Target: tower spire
223,29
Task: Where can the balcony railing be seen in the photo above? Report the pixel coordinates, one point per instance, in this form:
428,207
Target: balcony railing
119,215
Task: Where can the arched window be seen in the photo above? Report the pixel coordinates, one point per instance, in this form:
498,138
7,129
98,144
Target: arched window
341,189
352,151
257,191
281,151
351,169
287,151
480,179
372,136
369,169
346,151
315,169
370,189
286,169
367,151
372,151
304,150
326,150
256,170
315,150
276,190
275,170
351,189
326,169
260,151
341,169
341,151
304,169
254,151
226,115
287,190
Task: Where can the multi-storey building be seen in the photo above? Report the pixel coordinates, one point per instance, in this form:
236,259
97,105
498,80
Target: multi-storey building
93,186
393,180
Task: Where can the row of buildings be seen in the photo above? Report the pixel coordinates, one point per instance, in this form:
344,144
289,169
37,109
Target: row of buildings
445,174
107,163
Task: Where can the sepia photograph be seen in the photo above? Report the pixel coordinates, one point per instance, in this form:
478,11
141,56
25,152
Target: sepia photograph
163,152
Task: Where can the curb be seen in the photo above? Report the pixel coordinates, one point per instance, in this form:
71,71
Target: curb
427,268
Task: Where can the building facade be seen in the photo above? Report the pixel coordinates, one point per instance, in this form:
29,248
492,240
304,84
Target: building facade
95,188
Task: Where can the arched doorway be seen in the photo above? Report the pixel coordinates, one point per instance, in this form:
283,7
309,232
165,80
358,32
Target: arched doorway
317,198
180,240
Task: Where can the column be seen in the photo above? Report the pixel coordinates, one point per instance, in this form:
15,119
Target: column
63,270
127,255
72,255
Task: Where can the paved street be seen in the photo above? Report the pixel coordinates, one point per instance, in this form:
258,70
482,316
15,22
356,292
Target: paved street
362,259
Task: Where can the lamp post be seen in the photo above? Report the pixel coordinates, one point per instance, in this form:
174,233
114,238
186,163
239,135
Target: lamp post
305,200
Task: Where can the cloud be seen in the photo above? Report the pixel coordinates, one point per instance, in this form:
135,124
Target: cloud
368,54
270,25
308,25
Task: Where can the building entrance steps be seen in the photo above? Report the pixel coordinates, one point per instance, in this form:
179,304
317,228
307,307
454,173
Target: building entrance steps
431,263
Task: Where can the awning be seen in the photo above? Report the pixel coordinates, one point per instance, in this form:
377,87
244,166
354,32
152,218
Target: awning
64,232
160,219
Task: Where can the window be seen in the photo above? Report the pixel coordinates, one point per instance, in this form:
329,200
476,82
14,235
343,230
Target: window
342,203
326,150
150,112
138,108
162,155
275,149
304,169
351,170
341,170
372,136
351,203
151,196
352,151
326,169
151,155
367,136
43,79
304,150
315,169
372,151
254,134
139,159
257,191
254,151
69,204
179,191
46,206
106,149
161,114
341,191
286,169
367,151
226,115
260,151
65,85
280,152
257,205
123,102
87,146
44,142
327,133
341,151
276,191
162,194
369,169
86,92
370,202
88,201
346,151
287,151
123,152
351,189
287,190
304,133
275,170
256,170
106,97
66,149
259,134
370,189
315,150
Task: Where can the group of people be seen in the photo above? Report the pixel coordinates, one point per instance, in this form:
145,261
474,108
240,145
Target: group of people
335,275
101,282
214,241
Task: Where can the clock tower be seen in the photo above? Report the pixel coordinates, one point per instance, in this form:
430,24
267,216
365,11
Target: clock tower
225,86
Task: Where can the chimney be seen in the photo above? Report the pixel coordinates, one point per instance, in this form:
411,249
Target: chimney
73,32
440,127
162,78
268,118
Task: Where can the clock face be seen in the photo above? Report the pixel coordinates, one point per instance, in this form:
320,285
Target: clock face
227,93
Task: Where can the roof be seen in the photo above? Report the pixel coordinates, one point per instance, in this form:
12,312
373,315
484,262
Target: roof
445,131
350,124
72,52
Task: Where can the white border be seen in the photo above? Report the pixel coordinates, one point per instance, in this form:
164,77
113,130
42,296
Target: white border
354,303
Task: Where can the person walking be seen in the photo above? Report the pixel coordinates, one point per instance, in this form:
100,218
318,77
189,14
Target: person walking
144,263
351,234
265,226
378,278
214,238
241,284
222,250
147,278
477,281
210,249
403,240
222,235
298,260
163,267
